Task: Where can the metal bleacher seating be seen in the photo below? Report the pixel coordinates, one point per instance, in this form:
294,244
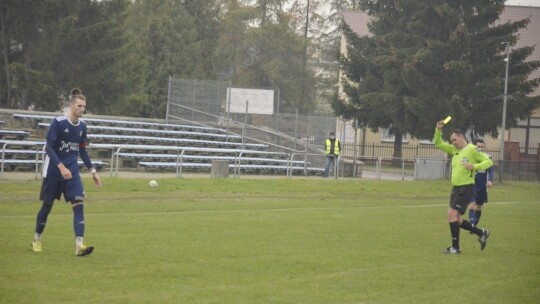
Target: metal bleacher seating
203,158
28,155
134,139
124,135
148,131
165,160
158,146
18,164
254,168
128,123
169,157
13,134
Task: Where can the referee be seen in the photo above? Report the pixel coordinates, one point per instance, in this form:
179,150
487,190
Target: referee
465,161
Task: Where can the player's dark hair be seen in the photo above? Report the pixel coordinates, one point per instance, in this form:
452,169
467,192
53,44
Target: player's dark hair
479,140
76,93
459,132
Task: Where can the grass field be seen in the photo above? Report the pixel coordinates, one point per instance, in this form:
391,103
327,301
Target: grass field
269,241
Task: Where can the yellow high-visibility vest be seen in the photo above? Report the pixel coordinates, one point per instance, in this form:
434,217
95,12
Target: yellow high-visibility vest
336,146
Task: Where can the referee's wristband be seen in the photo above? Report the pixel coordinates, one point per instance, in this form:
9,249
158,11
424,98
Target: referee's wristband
93,170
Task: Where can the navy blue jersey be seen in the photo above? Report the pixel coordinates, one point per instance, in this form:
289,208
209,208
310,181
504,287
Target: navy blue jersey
67,139
482,177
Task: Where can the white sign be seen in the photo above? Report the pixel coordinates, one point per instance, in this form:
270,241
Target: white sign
259,101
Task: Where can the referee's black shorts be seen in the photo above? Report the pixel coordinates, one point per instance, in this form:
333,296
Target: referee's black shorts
460,196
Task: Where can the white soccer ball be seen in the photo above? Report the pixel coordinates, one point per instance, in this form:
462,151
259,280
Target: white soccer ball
152,184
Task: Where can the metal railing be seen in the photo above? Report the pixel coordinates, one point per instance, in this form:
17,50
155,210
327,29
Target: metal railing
289,171
36,144
180,152
238,160
248,132
382,149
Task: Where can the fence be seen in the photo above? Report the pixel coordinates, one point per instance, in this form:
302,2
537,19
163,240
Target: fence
387,150
519,171
209,103
378,159
407,150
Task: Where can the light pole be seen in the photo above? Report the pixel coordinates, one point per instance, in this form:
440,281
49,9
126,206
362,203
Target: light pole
503,126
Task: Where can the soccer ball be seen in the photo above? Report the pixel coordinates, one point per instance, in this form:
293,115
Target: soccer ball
152,184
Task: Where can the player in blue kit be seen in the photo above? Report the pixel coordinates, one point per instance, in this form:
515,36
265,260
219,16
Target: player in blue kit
482,180
66,141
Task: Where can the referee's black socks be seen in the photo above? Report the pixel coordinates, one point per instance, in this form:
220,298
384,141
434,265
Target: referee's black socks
468,226
454,231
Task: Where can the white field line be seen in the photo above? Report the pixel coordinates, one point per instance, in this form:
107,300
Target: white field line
256,210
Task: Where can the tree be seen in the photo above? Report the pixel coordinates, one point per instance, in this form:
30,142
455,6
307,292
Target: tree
326,37
91,47
6,46
164,38
427,59
54,45
470,63
265,54
230,52
19,28
121,52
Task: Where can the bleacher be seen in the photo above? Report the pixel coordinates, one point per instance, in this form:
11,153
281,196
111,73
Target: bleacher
13,134
21,164
113,122
256,163
25,155
135,139
156,132
142,145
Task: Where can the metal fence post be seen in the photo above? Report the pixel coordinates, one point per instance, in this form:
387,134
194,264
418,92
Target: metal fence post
168,100
277,116
295,128
355,150
246,116
193,104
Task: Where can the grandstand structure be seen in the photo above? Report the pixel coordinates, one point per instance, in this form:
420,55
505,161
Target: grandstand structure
143,145
146,145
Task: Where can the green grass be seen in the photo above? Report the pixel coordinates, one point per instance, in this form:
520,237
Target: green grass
269,241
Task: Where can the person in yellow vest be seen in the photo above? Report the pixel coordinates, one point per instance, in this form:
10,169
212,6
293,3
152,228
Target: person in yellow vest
332,147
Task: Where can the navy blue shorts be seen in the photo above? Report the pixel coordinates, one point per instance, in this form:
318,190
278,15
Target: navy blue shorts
479,197
52,189
460,196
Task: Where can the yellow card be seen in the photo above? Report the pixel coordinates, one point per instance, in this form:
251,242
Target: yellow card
447,119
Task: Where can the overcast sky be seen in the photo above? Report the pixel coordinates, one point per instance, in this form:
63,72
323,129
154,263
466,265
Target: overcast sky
524,2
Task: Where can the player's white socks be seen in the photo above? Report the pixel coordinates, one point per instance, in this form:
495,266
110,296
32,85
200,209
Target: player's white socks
79,241
37,237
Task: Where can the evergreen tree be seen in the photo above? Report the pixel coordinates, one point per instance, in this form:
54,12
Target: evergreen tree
428,59
61,44
266,54
164,38
326,41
